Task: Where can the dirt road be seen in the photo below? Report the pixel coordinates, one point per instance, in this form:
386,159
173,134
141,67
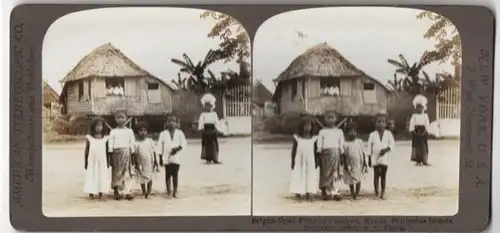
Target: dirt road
203,189
411,190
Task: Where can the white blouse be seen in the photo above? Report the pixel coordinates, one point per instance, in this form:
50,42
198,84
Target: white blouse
421,119
376,144
120,138
330,138
208,118
166,143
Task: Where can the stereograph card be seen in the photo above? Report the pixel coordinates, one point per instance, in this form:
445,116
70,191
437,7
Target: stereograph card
215,117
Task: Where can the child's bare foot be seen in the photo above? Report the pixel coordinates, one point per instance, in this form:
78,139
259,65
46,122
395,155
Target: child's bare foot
217,162
129,197
337,198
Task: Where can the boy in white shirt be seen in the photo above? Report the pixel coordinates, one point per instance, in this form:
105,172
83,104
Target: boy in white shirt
171,145
380,144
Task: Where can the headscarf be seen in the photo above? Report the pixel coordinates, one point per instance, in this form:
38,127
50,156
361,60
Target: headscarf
420,100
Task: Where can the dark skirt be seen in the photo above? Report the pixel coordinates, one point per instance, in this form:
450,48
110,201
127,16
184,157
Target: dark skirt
419,145
209,143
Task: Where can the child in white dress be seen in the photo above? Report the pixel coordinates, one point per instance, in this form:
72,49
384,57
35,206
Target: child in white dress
304,173
330,146
97,180
171,145
380,144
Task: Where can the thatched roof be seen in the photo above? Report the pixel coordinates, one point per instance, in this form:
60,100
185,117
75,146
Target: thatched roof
49,94
260,93
105,61
321,61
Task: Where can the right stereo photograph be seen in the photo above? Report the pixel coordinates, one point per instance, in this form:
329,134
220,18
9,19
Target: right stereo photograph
357,112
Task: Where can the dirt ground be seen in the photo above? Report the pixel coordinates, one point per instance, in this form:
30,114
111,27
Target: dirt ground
411,190
203,189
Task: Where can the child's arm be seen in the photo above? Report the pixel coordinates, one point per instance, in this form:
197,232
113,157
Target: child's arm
294,152
370,149
108,155
392,143
132,141
341,141
316,155
159,147
111,142
319,142
87,147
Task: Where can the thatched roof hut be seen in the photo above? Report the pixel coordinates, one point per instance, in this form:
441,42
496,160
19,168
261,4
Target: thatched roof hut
261,94
304,84
86,86
49,95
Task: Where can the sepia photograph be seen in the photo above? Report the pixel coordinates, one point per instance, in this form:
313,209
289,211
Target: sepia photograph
358,113
146,112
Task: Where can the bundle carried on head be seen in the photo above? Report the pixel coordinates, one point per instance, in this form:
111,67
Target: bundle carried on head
420,100
208,98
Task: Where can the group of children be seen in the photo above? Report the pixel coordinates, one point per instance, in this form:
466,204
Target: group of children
132,157
340,159
341,156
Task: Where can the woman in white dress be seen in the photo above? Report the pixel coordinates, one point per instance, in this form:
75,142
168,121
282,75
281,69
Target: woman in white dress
304,165
97,179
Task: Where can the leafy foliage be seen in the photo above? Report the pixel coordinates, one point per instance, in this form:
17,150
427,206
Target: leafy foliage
200,79
442,30
415,80
235,42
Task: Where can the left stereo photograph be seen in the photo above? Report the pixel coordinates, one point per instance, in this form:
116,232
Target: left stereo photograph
146,112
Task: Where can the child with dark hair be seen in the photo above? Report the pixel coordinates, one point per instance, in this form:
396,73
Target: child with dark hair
121,144
171,144
330,146
380,144
146,161
355,165
304,160
97,160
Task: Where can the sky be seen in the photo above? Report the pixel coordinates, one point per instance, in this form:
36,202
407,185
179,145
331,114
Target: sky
148,36
366,36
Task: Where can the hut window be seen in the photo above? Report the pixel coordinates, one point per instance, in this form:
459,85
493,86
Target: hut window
369,93
154,96
330,86
115,87
294,88
80,90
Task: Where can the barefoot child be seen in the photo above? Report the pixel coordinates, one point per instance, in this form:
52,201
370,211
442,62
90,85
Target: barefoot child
121,144
97,180
381,144
355,166
146,158
207,124
304,162
171,145
419,123
330,145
